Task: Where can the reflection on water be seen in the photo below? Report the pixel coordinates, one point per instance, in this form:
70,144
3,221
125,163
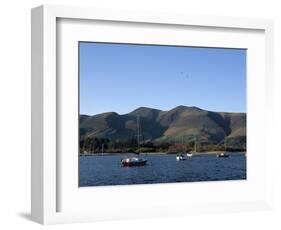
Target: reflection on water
161,168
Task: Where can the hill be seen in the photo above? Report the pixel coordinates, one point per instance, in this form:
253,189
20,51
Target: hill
179,124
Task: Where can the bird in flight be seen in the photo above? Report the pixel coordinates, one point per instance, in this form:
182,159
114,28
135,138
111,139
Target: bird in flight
185,75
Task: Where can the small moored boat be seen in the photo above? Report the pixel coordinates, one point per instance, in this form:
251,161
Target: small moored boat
133,161
222,155
180,157
194,150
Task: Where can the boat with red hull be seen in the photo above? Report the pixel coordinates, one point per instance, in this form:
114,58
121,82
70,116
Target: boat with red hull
133,161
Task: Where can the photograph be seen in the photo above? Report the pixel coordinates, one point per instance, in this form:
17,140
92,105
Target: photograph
151,114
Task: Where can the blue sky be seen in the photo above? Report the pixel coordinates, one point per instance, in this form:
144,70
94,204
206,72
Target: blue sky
123,77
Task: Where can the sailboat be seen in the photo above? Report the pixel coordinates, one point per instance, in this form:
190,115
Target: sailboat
223,154
102,148
135,161
190,154
180,156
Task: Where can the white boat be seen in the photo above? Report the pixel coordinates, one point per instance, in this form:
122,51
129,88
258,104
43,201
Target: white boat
223,154
180,157
135,161
194,151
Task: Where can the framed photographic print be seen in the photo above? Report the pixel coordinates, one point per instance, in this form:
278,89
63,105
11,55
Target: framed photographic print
165,120
139,114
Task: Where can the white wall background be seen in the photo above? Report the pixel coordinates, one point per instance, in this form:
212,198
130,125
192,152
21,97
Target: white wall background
15,112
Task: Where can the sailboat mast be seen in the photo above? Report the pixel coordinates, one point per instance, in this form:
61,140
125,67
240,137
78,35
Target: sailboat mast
195,140
138,132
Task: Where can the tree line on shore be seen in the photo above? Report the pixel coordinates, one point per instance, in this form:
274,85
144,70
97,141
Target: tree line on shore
105,145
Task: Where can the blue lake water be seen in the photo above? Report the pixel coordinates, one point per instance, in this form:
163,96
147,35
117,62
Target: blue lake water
161,168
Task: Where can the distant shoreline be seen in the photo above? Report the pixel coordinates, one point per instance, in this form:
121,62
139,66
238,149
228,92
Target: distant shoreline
159,153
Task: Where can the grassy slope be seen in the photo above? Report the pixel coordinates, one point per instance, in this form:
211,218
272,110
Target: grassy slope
179,123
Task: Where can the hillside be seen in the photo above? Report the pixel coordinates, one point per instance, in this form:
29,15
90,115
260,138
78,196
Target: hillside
178,124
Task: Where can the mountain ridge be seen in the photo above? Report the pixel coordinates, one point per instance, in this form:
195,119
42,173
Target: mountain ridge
181,122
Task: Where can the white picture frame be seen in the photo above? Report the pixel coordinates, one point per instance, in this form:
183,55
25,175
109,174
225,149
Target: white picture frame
55,195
